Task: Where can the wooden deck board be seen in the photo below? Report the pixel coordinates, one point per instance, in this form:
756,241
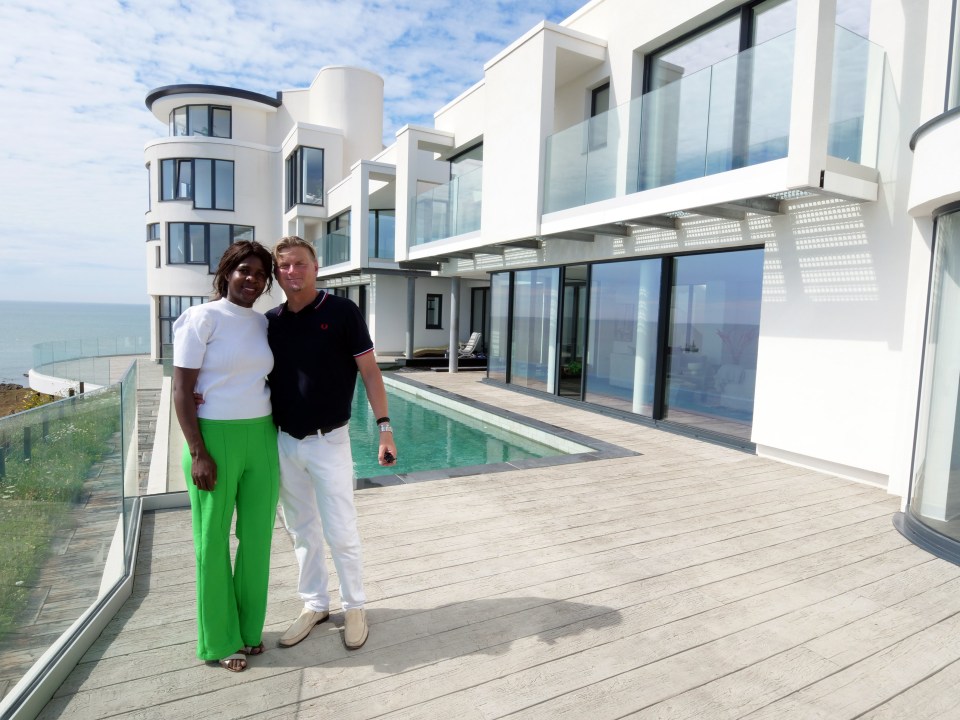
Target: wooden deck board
692,581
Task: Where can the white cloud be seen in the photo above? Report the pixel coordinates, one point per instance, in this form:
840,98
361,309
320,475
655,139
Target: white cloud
74,75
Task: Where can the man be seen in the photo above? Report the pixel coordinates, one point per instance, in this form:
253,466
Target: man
319,342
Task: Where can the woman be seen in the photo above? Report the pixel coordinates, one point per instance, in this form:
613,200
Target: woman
220,351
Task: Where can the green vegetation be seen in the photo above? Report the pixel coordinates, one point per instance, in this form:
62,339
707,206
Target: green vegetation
47,453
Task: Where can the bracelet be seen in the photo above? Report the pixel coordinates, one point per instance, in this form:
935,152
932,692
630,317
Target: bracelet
382,420
385,427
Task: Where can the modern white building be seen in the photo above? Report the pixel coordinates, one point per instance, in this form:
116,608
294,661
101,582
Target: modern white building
735,220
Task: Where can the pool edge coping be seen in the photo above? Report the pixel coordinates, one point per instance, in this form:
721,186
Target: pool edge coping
597,449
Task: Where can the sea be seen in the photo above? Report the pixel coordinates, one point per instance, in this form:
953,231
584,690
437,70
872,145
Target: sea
24,324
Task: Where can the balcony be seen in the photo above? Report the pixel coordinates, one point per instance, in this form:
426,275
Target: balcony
336,247
448,210
734,114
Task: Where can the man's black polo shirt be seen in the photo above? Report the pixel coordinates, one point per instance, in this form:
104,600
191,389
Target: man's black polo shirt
314,368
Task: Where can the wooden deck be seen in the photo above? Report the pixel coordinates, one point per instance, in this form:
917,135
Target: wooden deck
691,581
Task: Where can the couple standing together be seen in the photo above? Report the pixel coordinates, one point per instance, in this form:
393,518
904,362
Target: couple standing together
264,405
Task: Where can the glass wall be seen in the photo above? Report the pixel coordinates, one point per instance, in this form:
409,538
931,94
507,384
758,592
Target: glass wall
499,326
533,347
605,332
209,183
935,493
171,306
622,353
208,120
712,344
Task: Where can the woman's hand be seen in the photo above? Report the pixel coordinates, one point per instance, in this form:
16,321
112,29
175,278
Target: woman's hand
203,471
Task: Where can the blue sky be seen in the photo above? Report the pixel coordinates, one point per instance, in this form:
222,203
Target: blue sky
73,124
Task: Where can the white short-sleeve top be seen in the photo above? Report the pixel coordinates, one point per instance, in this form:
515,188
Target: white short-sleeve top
229,345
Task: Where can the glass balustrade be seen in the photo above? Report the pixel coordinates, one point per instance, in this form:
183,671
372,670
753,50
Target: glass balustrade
855,98
733,114
91,360
64,516
450,209
336,247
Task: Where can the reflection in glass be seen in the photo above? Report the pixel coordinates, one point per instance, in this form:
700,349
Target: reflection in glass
450,209
855,98
622,354
203,196
935,495
499,326
224,184
219,241
198,116
712,342
533,360
573,325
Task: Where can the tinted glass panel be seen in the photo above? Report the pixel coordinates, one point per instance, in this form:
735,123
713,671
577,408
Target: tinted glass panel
184,179
179,121
774,18
242,232
168,179
224,185
935,494
202,197
534,329
312,178
197,241
176,246
712,344
499,326
199,119
701,51
221,122
219,241
622,354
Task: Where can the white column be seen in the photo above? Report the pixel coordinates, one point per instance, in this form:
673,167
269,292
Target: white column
454,323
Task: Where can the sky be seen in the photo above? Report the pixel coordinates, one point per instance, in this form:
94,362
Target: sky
73,123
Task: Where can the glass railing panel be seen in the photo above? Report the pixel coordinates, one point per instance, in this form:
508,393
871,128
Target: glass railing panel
450,209
61,500
673,131
93,361
469,193
732,114
336,247
855,98
565,174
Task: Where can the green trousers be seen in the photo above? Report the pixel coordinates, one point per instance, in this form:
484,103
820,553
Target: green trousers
232,601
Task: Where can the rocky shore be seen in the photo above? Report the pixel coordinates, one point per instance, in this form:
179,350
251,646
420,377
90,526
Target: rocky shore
13,398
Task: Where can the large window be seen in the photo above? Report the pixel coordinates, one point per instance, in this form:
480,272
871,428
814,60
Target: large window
206,120
171,307
305,177
712,344
533,348
935,494
336,243
209,183
624,315
202,243
671,338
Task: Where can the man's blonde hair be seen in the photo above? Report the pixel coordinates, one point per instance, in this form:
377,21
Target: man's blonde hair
293,241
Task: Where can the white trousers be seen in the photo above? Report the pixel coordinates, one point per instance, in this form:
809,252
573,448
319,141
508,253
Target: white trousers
316,494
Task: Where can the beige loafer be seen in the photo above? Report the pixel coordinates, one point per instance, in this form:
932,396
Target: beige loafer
355,628
302,626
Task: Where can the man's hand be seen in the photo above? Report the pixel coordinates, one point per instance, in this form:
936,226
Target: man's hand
198,399
388,450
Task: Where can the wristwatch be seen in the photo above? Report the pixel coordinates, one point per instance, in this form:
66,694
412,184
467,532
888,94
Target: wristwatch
385,427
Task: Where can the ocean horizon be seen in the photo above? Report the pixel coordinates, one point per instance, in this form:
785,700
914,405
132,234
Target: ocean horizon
24,324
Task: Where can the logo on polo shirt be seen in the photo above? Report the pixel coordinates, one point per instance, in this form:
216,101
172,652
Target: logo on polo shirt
324,326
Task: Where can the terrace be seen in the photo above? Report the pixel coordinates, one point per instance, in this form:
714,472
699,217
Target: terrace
688,580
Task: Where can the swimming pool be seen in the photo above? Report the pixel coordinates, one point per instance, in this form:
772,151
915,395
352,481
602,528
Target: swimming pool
432,433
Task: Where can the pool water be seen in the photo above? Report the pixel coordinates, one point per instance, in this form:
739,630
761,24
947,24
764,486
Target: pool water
431,437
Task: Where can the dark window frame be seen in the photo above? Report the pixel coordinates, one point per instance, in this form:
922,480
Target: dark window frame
153,231
436,298
294,177
211,111
178,164
233,231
